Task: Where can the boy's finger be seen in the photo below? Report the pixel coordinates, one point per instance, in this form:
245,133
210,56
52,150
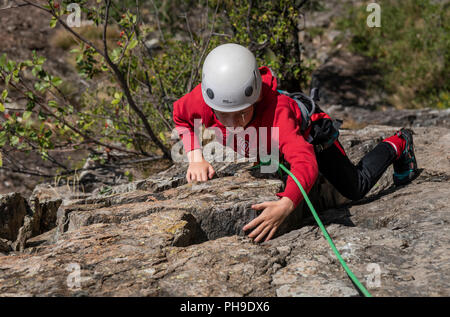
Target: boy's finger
262,234
188,177
203,176
259,206
253,223
272,232
257,231
210,172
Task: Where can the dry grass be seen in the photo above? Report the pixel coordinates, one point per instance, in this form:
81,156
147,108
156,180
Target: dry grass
401,94
352,124
63,39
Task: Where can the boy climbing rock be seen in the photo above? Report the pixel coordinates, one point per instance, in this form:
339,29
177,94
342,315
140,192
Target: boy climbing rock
235,92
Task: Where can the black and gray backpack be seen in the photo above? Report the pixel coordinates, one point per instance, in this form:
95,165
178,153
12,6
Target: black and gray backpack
324,131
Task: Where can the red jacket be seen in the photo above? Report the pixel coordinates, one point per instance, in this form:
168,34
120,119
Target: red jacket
274,110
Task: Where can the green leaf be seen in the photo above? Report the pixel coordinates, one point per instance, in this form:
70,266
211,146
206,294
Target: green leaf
162,136
52,103
14,140
10,65
133,44
7,79
53,22
42,116
2,107
41,60
27,63
36,70
3,138
38,86
4,94
115,54
56,81
3,60
26,115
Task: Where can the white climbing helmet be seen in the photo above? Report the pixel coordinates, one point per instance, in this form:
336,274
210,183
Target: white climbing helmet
231,80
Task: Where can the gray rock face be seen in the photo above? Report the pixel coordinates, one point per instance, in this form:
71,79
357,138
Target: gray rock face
13,209
5,246
393,117
44,214
22,220
163,237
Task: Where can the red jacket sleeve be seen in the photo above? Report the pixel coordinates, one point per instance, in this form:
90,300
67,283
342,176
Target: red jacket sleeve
296,151
183,117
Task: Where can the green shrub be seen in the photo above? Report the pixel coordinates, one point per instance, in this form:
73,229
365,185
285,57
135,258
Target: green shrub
410,49
270,30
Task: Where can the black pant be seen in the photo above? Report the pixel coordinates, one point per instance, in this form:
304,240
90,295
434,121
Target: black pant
354,181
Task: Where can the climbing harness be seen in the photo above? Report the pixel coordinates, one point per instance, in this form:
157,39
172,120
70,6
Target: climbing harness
350,274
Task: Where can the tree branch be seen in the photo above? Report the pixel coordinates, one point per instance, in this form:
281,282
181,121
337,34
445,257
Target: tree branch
119,75
158,22
105,27
40,102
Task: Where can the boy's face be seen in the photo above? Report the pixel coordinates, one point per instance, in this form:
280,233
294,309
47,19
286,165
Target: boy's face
238,118
235,119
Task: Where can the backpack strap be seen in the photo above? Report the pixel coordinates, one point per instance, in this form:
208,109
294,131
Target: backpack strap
306,104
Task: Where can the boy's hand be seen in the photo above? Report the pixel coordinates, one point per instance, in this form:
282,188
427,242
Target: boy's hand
199,171
270,219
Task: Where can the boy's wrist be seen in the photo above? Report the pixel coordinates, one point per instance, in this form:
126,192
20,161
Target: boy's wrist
195,156
287,203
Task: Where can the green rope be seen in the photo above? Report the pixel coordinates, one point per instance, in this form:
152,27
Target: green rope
324,231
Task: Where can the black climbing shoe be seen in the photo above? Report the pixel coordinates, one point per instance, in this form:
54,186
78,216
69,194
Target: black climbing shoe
405,168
